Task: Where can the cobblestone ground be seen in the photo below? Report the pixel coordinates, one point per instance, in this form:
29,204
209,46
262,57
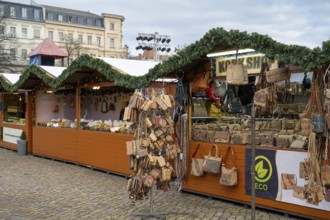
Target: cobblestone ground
37,188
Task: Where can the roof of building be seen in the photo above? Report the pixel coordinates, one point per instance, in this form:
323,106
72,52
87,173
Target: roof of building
113,16
48,47
130,67
71,11
21,4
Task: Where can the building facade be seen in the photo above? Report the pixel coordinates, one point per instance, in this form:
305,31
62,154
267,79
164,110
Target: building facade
76,32
22,28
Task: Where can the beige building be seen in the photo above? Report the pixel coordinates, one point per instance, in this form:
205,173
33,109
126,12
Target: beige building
85,32
74,31
22,29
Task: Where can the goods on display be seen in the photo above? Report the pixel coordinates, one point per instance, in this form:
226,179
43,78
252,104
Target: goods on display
154,147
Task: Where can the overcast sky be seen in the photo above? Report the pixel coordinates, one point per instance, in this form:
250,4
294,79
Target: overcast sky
303,22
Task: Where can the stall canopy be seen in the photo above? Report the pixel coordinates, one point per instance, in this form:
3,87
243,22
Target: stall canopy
84,69
130,67
216,39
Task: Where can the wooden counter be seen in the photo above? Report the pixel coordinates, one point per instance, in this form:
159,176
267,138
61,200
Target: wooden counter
103,150
100,150
209,185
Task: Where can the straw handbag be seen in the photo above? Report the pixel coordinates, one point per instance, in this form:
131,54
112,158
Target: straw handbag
212,164
237,74
197,163
229,175
277,75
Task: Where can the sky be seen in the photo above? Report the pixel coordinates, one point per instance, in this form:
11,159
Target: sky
302,22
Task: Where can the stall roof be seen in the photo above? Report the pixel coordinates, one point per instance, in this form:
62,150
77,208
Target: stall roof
48,48
130,67
54,71
11,77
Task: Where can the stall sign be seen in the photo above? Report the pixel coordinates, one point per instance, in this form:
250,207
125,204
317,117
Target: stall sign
11,135
271,167
252,63
266,179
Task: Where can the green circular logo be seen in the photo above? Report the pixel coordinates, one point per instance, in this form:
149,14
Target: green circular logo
263,174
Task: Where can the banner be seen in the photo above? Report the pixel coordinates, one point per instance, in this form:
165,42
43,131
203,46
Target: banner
266,178
278,175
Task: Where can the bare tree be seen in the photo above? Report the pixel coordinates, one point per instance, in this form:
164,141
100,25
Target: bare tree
179,48
8,45
71,46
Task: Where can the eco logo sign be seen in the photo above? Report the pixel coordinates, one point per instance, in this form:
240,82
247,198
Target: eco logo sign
263,168
264,171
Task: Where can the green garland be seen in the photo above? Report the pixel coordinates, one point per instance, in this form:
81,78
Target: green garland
304,57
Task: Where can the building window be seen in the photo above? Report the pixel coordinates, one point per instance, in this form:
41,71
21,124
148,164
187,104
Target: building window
98,23
112,42
12,11
2,30
24,13
80,39
60,36
80,21
1,10
36,33
24,32
23,55
13,31
98,41
70,36
60,17
112,26
13,53
89,40
89,22
69,19
50,35
36,14
50,16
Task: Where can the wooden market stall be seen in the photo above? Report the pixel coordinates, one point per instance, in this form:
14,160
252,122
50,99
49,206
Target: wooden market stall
16,111
76,112
201,58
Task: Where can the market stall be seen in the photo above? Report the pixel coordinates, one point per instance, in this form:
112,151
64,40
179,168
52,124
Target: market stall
220,117
77,112
14,113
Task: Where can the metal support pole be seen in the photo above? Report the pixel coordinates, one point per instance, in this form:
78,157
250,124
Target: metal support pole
156,41
151,212
253,193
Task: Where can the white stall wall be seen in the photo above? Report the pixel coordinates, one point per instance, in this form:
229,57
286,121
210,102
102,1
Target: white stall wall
91,106
47,102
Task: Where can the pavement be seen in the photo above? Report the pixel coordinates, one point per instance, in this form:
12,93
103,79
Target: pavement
38,188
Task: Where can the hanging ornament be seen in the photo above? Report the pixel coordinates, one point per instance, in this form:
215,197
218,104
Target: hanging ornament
55,109
104,106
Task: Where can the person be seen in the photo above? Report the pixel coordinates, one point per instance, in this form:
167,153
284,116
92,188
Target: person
122,111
